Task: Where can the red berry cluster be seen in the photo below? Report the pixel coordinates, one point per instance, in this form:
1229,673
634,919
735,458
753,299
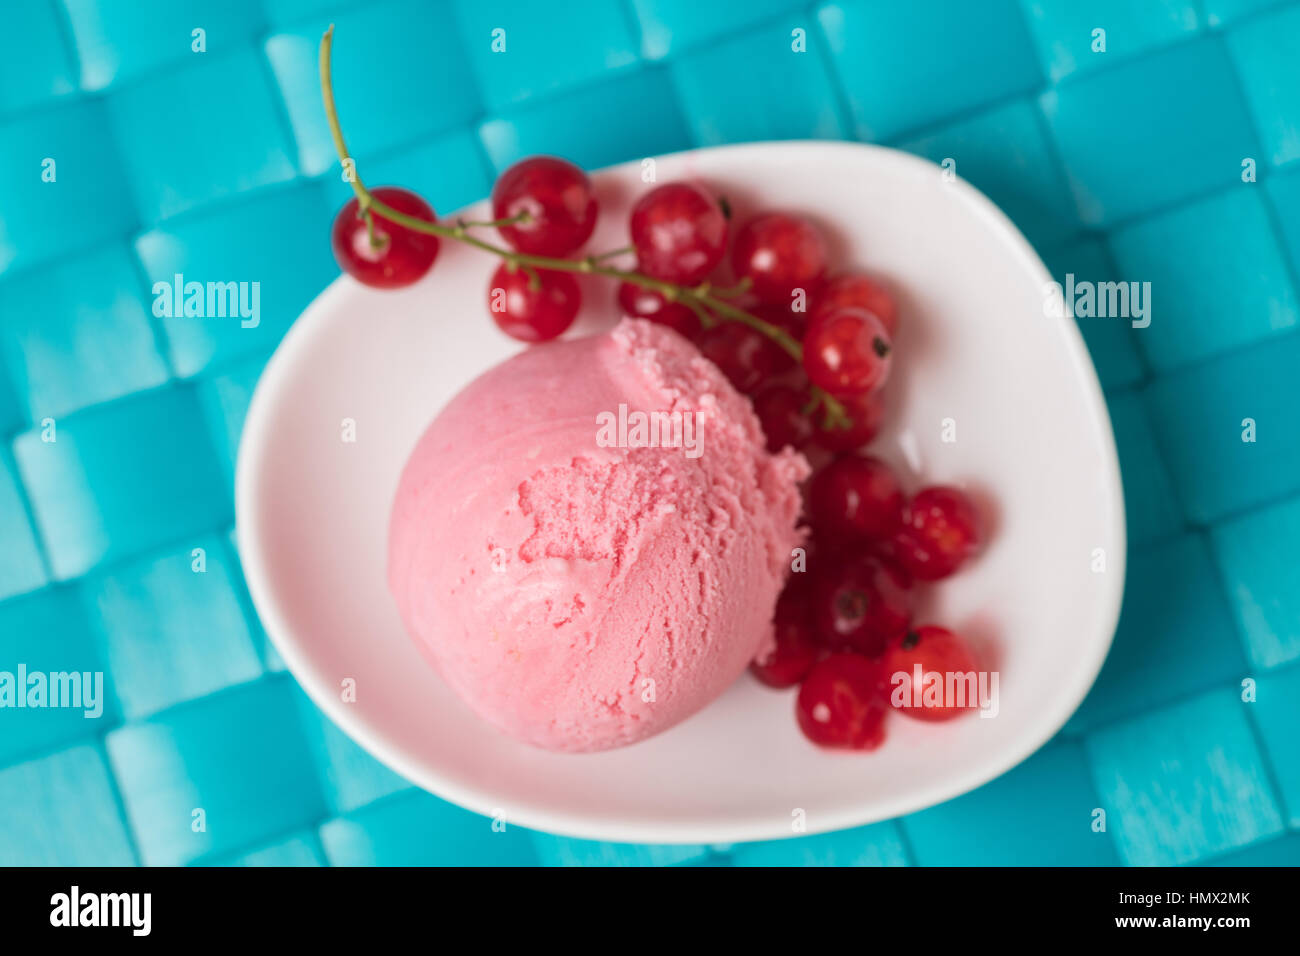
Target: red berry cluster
844,625
845,324
778,263
542,206
759,315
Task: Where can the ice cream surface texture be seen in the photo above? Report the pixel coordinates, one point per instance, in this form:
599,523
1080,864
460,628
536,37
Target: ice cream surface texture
585,574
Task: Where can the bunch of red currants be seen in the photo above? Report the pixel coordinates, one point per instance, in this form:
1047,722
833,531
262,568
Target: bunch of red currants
545,210
783,332
843,626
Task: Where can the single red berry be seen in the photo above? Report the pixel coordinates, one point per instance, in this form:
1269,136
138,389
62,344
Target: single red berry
866,412
533,309
856,291
642,303
939,532
389,256
679,232
839,704
855,498
940,694
780,410
859,604
846,352
747,357
796,648
558,199
780,253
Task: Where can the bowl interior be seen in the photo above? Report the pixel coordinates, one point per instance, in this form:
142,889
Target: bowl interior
977,360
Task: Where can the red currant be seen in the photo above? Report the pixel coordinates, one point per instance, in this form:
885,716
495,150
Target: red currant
559,200
855,498
846,351
866,412
840,705
859,605
642,303
939,653
533,310
779,253
939,533
796,648
856,291
780,410
390,256
679,232
747,357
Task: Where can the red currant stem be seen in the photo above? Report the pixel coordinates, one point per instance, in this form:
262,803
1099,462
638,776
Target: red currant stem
693,297
777,334
375,240
495,223
730,292
534,280
612,254
834,418
332,115
706,320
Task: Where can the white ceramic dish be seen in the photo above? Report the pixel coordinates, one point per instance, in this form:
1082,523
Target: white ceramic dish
1033,442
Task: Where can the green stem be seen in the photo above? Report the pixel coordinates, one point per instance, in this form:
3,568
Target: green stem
332,116
494,223
834,417
730,292
612,254
700,299
371,234
707,321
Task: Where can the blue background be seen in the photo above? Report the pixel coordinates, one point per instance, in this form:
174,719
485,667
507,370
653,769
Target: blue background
1125,163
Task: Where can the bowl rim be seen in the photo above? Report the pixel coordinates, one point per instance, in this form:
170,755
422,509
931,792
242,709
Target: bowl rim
253,447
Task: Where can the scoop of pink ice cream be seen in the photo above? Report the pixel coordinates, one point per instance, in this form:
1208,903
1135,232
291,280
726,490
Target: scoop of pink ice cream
577,592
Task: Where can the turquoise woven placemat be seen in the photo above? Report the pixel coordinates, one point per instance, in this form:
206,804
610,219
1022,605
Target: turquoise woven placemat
1156,140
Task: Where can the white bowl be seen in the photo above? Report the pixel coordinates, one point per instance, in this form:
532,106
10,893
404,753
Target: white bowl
975,346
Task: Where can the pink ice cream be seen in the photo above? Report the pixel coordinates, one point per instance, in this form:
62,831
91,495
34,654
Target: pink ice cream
576,594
